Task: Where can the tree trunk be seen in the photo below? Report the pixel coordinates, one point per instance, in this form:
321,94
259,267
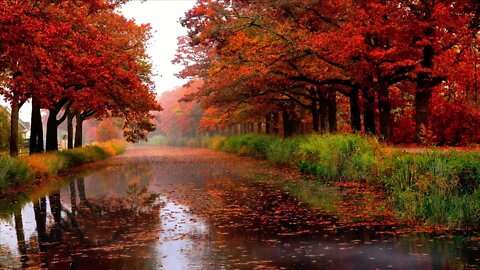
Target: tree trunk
385,113
355,119
53,123
424,92
78,130
259,127
267,124
323,113
276,123
14,117
332,111
315,116
52,132
36,132
369,111
70,129
251,128
287,128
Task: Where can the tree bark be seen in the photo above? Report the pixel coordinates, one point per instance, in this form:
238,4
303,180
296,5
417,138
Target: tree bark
315,116
323,112
53,123
385,114
276,123
424,92
332,111
36,131
259,127
287,128
14,117
70,135
52,132
355,119
369,111
267,124
78,130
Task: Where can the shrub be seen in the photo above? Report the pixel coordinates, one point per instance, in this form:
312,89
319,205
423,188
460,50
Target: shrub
12,172
15,171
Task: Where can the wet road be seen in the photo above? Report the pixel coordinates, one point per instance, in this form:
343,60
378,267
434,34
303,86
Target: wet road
185,208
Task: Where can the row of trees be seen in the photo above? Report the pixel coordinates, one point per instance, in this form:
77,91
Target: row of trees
401,69
78,59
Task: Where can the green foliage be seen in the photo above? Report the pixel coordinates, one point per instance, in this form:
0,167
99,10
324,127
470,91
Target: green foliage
337,157
4,129
437,187
12,172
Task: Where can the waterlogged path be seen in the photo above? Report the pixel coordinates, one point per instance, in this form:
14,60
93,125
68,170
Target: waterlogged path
184,208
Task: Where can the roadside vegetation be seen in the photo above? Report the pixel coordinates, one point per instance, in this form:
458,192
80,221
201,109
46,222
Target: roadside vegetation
15,172
433,187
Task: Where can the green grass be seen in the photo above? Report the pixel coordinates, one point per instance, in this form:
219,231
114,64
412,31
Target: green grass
17,171
433,187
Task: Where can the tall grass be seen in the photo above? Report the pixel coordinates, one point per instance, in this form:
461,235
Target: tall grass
18,171
441,188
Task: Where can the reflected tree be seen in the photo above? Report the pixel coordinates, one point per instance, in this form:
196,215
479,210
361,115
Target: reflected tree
22,246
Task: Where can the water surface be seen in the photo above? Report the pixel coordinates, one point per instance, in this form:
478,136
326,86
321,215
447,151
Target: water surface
183,208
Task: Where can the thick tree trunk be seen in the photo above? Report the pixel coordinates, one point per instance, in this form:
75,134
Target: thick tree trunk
70,135
259,127
36,132
52,132
355,119
422,110
315,116
78,130
287,127
385,113
53,123
291,125
332,111
369,111
424,92
14,117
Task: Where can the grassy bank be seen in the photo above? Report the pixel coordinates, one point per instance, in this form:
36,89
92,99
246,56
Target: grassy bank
434,187
18,171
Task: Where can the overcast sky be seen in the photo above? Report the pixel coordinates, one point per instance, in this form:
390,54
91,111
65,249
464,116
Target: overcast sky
163,16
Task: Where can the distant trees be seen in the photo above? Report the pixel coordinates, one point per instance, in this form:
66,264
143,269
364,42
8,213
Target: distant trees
76,59
179,118
377,67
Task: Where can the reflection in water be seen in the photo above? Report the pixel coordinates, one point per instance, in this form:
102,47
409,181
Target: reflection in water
150,214
22,247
